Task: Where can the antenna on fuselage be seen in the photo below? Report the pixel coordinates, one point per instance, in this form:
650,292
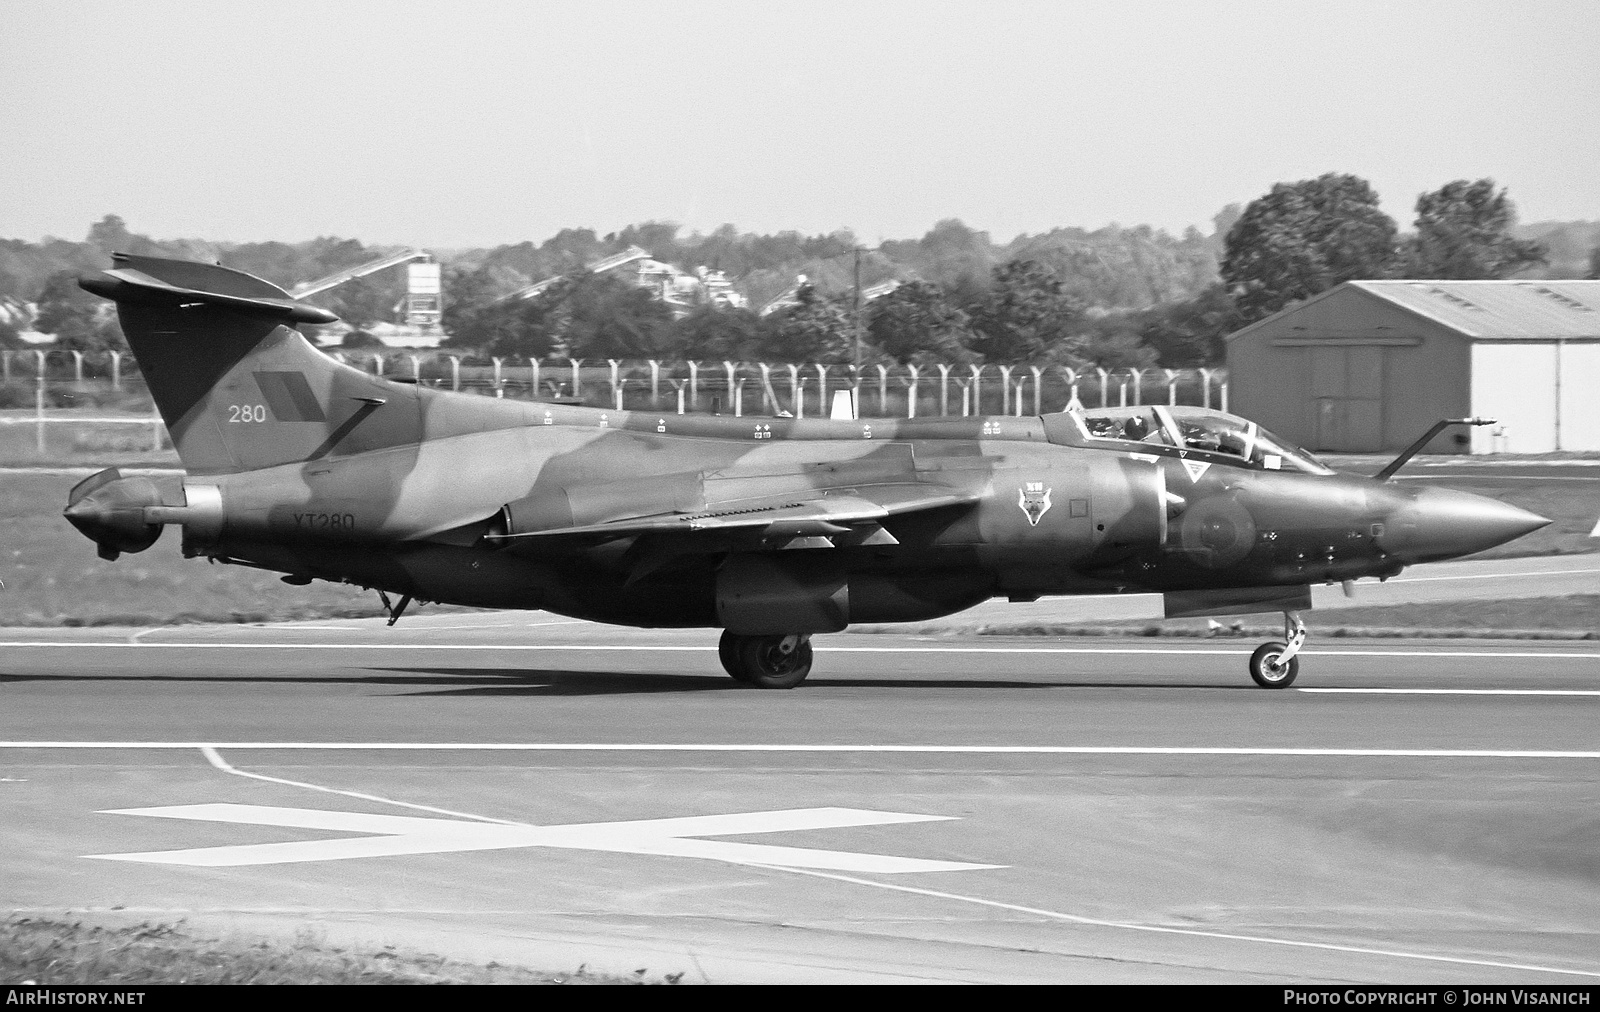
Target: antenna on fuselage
1411,451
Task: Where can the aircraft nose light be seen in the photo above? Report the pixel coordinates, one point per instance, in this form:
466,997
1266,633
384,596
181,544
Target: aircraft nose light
1442,523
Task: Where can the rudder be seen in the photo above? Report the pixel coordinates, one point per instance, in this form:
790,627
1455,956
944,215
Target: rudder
238,387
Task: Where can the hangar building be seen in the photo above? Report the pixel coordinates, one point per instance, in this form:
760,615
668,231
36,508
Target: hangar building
1369,365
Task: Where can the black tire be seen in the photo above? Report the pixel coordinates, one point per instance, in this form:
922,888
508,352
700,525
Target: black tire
763,664
728,654
1266,670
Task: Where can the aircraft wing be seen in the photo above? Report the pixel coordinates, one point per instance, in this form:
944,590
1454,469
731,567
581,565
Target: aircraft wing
816,513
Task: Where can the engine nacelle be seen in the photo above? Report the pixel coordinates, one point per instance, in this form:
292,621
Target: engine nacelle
109,509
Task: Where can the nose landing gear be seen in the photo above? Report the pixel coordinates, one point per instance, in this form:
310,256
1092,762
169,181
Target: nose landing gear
1274,665
766,662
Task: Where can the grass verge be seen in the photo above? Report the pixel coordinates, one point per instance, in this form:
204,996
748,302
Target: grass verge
44,951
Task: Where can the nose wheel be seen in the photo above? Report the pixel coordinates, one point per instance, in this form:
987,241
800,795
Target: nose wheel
1274,665
766,662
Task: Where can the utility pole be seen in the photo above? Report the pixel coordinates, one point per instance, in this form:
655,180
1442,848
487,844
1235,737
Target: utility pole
855,376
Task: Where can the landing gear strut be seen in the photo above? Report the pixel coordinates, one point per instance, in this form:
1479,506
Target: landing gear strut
1274,665
766,662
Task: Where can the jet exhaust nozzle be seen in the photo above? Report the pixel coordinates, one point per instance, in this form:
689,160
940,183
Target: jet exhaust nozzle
109,509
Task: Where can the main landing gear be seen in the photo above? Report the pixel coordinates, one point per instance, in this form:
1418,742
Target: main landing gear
1274,664
766,662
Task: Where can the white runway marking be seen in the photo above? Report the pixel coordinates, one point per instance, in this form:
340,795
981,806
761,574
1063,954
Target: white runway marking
1193,932
710,647
1474,477
1575,462
1490,576
85,471
1465,692
390,835
215,759
709,826
394,746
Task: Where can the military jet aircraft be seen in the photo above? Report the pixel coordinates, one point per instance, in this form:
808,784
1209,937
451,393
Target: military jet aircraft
771,529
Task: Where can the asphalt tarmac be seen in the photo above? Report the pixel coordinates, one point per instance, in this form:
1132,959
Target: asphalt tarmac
533,790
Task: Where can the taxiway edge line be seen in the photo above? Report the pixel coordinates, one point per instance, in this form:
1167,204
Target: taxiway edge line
1400,753
1192,932
710,648
215,759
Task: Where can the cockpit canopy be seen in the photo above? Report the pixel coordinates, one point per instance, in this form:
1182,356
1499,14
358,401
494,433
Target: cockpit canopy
1202,432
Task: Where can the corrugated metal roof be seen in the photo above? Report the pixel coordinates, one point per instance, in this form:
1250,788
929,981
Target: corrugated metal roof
1499,310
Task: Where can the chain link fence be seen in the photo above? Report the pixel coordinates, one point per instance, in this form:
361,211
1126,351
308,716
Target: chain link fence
57,403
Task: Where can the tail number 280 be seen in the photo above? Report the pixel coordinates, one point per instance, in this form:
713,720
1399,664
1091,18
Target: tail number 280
247,413
325,521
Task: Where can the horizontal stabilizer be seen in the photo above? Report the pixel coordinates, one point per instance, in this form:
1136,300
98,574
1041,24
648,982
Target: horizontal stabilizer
162,282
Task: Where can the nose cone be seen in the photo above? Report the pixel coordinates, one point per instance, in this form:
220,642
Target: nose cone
86,514
1441,523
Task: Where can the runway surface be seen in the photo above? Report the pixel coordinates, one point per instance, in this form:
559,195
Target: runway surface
529,789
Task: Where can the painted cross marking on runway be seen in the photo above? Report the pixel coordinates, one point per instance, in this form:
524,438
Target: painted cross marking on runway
389,835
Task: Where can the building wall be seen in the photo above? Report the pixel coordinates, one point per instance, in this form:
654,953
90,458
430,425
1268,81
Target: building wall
1514,383
1580,395
1425,383
1545,395
1350,372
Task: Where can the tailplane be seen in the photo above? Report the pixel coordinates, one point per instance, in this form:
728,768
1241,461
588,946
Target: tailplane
238,387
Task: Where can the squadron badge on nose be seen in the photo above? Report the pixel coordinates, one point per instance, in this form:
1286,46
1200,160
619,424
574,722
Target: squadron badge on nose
1034,499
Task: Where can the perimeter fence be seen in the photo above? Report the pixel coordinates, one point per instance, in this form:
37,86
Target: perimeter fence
77,402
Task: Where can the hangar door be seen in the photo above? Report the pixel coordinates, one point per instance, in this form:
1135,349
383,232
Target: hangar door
1517,384
1346,397
1580,395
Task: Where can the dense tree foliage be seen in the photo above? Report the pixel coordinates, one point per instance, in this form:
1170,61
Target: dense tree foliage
815,329
1114,296
1027,315
79,321
918,321
1303,238
1567,246
1464,232
1190,333
607,317
356,340
719,334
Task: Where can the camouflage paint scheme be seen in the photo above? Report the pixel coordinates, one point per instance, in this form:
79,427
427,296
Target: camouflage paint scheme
300,464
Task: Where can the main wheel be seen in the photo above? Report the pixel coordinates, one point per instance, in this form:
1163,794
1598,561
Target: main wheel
1268,671
728,654
767,662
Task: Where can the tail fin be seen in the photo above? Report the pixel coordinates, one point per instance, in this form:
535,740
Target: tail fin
237,386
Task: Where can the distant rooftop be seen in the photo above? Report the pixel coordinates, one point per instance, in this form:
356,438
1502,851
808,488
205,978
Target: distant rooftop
1499,310
1488,310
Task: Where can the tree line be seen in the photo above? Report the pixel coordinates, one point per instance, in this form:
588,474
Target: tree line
1113,297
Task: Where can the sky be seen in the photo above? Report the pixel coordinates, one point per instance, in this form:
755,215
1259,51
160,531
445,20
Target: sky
480,122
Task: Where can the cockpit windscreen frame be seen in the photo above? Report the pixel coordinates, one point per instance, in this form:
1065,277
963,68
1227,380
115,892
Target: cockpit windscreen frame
1181,431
